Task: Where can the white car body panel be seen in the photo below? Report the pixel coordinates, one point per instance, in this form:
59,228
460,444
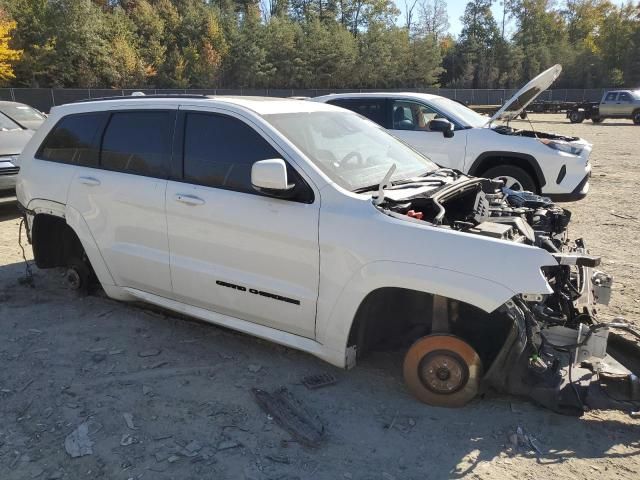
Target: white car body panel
126,216
328,254
247,241
449,152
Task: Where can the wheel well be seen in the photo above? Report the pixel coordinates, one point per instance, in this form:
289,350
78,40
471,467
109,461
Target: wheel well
393,318
489,162
54,242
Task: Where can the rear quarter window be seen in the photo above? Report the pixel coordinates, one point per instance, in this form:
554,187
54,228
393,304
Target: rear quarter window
374,110
74,140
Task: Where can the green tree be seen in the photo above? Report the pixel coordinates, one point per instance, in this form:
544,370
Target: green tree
329,54
541,35
475,55
247,65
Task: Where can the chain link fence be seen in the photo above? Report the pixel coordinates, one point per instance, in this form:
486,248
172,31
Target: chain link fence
45,98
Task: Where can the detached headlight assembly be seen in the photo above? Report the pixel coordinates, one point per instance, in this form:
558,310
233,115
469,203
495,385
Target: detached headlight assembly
563,146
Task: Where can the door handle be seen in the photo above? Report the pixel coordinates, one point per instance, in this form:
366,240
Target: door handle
91,181
188,199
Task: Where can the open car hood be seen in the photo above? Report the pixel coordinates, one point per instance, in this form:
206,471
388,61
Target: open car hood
527,94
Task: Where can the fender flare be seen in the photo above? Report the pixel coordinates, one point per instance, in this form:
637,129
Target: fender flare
79,226
483,293
518,156
48,207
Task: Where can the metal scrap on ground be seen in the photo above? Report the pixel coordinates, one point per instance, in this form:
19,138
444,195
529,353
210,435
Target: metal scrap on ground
291,415
318,380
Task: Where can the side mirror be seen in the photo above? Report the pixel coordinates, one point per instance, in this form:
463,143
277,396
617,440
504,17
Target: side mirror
270,177
441,125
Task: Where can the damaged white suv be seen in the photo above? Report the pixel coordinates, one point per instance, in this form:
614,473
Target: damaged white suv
310,226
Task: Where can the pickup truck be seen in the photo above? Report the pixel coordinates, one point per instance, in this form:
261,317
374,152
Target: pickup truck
614,104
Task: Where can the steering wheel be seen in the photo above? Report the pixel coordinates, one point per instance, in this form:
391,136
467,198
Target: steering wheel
357,156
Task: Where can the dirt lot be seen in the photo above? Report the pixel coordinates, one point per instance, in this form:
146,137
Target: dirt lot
185,387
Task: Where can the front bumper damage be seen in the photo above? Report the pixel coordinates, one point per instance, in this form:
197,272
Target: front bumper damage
569,363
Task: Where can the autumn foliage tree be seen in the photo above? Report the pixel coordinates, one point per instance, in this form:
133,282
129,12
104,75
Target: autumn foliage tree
8,56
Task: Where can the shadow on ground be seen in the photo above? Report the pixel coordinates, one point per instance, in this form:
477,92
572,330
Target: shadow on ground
9,211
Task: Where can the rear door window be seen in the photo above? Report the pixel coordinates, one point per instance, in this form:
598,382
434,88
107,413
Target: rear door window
373,109
624,97
74,140
611,97
138,142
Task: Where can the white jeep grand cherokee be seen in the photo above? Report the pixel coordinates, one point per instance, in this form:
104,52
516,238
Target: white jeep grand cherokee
310,226
455,136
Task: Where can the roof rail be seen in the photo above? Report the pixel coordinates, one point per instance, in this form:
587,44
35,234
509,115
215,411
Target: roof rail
142,97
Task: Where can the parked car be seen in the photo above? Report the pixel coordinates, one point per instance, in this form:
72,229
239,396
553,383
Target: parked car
454,136
311,226
13,138
614,104
24,115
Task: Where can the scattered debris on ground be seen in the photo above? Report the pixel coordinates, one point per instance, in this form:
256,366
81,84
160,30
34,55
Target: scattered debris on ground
78,443
291,415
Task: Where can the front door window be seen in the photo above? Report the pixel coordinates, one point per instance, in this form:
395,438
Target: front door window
412,116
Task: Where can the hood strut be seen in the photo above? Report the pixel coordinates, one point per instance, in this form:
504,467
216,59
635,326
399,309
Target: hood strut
386,183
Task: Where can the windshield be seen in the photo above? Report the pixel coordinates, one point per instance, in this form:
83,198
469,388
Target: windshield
353,151
461,112
7,124
21,113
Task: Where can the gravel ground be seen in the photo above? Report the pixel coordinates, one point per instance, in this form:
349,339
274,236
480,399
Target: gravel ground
161,397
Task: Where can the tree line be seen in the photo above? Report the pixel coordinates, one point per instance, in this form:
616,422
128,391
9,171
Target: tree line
314,43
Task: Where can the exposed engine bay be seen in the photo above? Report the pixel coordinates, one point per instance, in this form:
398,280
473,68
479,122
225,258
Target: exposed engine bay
481,206
563,353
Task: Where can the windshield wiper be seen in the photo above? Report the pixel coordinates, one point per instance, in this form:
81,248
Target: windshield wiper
365,189
403,181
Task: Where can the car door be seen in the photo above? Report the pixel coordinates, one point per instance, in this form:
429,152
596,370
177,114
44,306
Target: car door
410,123
624,105
122,197
235,251
608,107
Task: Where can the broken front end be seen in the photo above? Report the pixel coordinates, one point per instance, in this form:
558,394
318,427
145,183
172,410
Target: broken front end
560,354
552,347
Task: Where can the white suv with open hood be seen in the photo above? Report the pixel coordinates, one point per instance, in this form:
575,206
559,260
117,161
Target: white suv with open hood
455,136
311,226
